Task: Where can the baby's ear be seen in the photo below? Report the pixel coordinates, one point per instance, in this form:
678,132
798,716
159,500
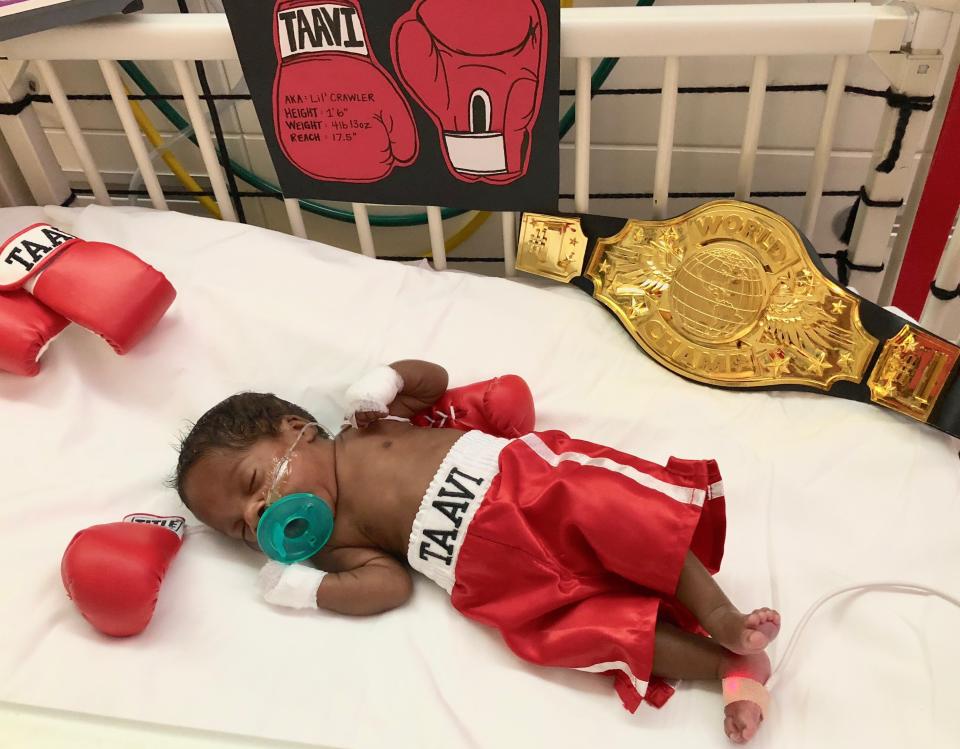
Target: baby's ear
295,423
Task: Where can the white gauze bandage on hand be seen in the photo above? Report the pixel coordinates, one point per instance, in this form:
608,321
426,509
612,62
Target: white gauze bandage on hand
375,391
291,585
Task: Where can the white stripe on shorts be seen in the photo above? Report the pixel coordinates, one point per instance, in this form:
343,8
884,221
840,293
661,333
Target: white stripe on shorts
679,493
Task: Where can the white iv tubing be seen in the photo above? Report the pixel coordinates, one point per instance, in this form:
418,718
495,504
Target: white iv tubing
892,586
889,586
136,180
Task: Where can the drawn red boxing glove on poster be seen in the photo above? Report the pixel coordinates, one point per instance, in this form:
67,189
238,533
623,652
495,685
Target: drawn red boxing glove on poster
477,67
337,113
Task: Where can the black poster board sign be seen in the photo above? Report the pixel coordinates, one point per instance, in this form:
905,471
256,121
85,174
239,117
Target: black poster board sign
435,102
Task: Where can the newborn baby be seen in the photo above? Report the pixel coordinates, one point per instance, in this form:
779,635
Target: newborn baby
580,555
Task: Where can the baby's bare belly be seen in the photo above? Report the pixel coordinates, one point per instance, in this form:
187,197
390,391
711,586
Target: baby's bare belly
385,470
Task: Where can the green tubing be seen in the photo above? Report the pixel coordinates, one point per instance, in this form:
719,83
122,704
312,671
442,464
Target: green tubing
599,77
255,180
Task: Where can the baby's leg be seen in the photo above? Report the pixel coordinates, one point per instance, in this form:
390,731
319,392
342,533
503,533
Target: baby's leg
682,655
740,633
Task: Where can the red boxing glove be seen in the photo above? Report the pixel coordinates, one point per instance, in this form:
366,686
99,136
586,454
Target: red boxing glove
477,67
338,115
502,407
26,329
113,572
99,286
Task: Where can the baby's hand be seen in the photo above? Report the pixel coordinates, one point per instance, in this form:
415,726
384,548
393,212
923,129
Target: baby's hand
369,397
366,418
292,585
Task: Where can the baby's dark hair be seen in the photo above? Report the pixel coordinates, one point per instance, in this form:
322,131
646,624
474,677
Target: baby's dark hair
234,423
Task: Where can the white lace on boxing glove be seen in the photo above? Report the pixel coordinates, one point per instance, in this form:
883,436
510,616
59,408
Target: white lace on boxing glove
291,585
375,391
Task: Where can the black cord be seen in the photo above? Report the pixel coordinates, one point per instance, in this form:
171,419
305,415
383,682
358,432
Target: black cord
119,192
47,99
844,265
862,197
907,105
218,131
944,295
710,195
14,108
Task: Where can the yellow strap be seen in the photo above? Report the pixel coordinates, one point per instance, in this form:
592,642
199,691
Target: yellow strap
156,140
468,230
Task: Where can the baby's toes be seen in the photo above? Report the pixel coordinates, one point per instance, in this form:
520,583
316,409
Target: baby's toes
756,639
772,621
765,621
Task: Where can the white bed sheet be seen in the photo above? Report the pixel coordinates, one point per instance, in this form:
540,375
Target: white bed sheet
820,493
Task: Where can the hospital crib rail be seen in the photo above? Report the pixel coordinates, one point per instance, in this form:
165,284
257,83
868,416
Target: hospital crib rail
910,43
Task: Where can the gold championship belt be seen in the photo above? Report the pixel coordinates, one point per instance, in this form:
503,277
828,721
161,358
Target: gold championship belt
733,295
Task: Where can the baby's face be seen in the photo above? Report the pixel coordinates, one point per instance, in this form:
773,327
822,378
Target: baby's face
228,489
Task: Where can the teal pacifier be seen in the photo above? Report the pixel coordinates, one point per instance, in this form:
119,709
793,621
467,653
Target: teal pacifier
295,528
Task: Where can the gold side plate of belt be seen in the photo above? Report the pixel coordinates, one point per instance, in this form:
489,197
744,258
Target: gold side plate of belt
731,295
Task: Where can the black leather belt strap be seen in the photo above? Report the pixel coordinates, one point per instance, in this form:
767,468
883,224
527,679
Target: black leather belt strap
881,323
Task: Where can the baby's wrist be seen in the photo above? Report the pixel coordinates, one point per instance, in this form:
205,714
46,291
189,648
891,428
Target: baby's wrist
291,585
374,391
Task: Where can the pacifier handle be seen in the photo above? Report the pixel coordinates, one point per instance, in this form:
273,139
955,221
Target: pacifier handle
295,527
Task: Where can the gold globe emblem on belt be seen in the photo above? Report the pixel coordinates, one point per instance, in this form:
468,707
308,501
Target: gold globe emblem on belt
725,294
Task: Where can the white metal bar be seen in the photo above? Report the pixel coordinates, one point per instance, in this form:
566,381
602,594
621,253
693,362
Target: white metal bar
509,243
202,133
723,30
870,241
943,316
668,116
821,154
27,141
13,187
751,130
926,142
73,132
122,105
613,148
930,29
295,215
581,191
948,276
437,243
143,36
685,31
364,232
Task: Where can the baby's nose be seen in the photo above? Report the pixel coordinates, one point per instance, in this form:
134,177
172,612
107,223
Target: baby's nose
253,514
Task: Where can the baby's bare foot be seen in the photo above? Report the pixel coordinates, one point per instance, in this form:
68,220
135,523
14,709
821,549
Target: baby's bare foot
744,716
743,634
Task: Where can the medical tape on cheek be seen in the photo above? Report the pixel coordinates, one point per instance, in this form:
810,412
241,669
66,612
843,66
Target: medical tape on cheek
278,473
282,466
